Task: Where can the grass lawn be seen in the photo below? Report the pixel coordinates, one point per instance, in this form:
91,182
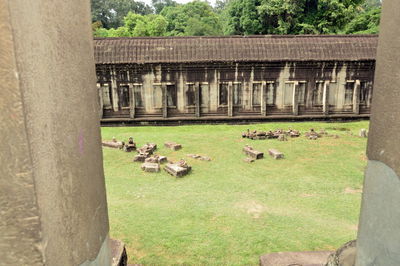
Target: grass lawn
228,212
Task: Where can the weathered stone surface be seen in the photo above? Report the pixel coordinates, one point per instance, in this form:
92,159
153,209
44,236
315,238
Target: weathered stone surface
112,144
249,151
282,137
363,133
130,146
147,148
178,169
275,154
156,159
141,157
305,258
312,134
151,167
118,253
173,146
344,256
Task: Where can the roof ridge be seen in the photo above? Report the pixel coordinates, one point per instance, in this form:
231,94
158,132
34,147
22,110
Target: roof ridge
246,36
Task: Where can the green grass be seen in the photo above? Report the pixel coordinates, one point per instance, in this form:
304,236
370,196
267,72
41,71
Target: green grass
228,212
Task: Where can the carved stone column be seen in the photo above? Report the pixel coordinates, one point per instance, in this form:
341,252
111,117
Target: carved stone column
295,102
263,98
325,98
230,99
356,97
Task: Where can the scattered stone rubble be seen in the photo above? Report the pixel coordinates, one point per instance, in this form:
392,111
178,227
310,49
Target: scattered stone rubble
256,135
113,143
178,169
249,151
275,154
312,134
148,148
173,146
144,152
131,146
156,159
282,137
150,167
199,157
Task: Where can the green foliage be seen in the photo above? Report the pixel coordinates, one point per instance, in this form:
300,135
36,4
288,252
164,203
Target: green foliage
238,17
194,17
228,212
111,13
159,5
366,23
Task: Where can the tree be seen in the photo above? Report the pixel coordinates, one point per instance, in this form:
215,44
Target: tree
112,12
159,5
194,17
365,23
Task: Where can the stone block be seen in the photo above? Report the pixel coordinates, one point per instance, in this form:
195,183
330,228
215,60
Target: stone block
282,137
151,167
173,146
176,169
112,144
140,157
275,154
249,151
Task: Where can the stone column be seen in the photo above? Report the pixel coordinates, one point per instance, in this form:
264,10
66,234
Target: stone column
295,102
230,99
132,103
263,98
197,99
356,97
164,100
100,91
53,200
325,98
114,90
378,240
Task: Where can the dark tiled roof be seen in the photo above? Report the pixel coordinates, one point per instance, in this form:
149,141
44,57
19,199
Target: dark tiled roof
235,49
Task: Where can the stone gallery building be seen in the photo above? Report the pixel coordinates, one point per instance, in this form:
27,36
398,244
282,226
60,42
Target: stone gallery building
235,77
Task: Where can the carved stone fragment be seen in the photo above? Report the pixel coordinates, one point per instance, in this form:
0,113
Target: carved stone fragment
249,151
151,167
275,154
178,169
173,146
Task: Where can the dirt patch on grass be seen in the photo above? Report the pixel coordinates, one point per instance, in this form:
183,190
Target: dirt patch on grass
350,190
307,195
253,208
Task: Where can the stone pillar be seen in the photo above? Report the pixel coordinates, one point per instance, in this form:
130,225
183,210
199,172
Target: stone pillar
230,99
197,99
132,103
114,90
378,240
325,98
263,98
101,108
164,100
53,200
356,97
295,102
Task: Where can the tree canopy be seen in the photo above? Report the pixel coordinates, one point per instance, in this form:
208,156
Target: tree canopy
114,18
